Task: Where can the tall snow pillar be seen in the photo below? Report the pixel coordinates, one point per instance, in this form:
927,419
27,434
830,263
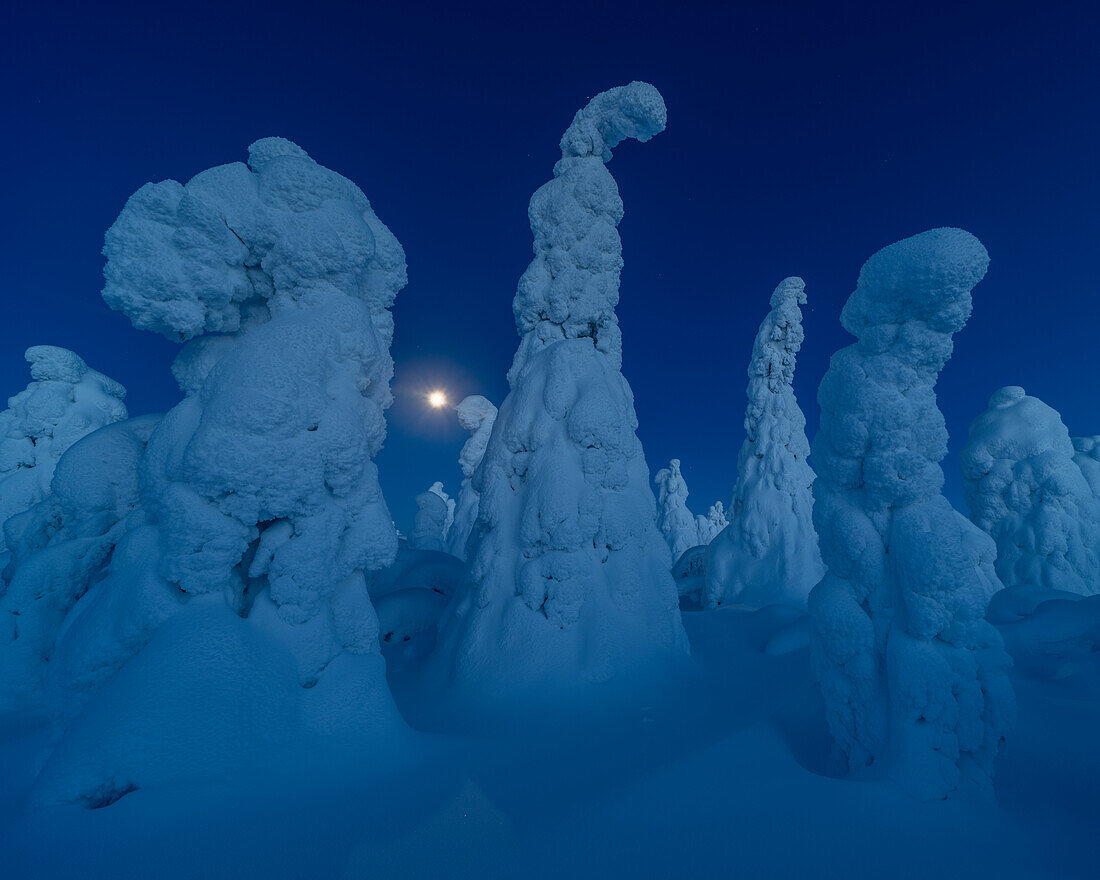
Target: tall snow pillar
567,574
768,553
915,680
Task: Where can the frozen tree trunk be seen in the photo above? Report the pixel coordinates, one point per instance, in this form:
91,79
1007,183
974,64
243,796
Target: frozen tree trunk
674,519
1025,488
567,574
476,414
915,680
768,553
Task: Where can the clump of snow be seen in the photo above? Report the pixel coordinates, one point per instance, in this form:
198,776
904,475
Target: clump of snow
567,575
673,517
1025,487
429,525
437,488
711,525
768,553
915,679
65,401
476,414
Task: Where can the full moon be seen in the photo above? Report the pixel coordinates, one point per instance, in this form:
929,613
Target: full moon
437,399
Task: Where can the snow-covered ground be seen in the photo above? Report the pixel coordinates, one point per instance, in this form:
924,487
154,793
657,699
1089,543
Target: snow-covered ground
722,770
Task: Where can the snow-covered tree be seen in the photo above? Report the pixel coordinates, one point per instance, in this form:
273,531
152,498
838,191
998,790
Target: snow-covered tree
768,553
429,524
476,414
1086,452
915,680
1025,488
437,488
674,519
567,573
64,401
711,525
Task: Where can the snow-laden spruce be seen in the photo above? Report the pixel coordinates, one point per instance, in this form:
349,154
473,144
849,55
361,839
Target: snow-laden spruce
711,525
476,414
768,553
1025,487
430,522
437,488
915,680
567,574
64,401
254,509
674,519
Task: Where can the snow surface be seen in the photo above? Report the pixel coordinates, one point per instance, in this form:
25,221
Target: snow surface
1025,486
768,553
915,680
568,577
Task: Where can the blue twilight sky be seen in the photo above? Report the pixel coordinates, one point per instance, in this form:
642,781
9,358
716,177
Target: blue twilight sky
801,138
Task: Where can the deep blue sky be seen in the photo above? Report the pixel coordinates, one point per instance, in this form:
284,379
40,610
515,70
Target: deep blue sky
801,138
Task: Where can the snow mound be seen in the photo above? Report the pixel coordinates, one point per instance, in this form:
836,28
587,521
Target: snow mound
915,679
1025,487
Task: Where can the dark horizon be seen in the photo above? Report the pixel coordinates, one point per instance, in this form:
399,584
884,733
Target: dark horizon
799,142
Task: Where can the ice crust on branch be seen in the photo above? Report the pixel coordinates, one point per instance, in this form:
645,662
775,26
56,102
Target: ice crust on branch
1025,486
567,573
915,680
768,553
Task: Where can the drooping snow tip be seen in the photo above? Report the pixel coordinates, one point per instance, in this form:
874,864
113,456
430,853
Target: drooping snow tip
1026,486
768,553
915,680
567,573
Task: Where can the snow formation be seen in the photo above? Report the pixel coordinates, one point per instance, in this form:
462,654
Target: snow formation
915,680
476,414
252,510
711,525
768,553
1025,487
64,401
429,524
437,488
674,519
567,573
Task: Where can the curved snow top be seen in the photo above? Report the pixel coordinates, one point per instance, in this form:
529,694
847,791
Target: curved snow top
476,414
632,111
926,278
211,255
1014,427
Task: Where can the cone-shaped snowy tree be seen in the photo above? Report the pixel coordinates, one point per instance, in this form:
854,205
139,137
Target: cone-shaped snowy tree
915,680
674,519
768,554
567,575
64,401
476,414
1025,488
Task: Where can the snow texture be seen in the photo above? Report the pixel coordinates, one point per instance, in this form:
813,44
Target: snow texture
64,401
1025,487
476,414
673,517
768,553
568,576
437,488
915,680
